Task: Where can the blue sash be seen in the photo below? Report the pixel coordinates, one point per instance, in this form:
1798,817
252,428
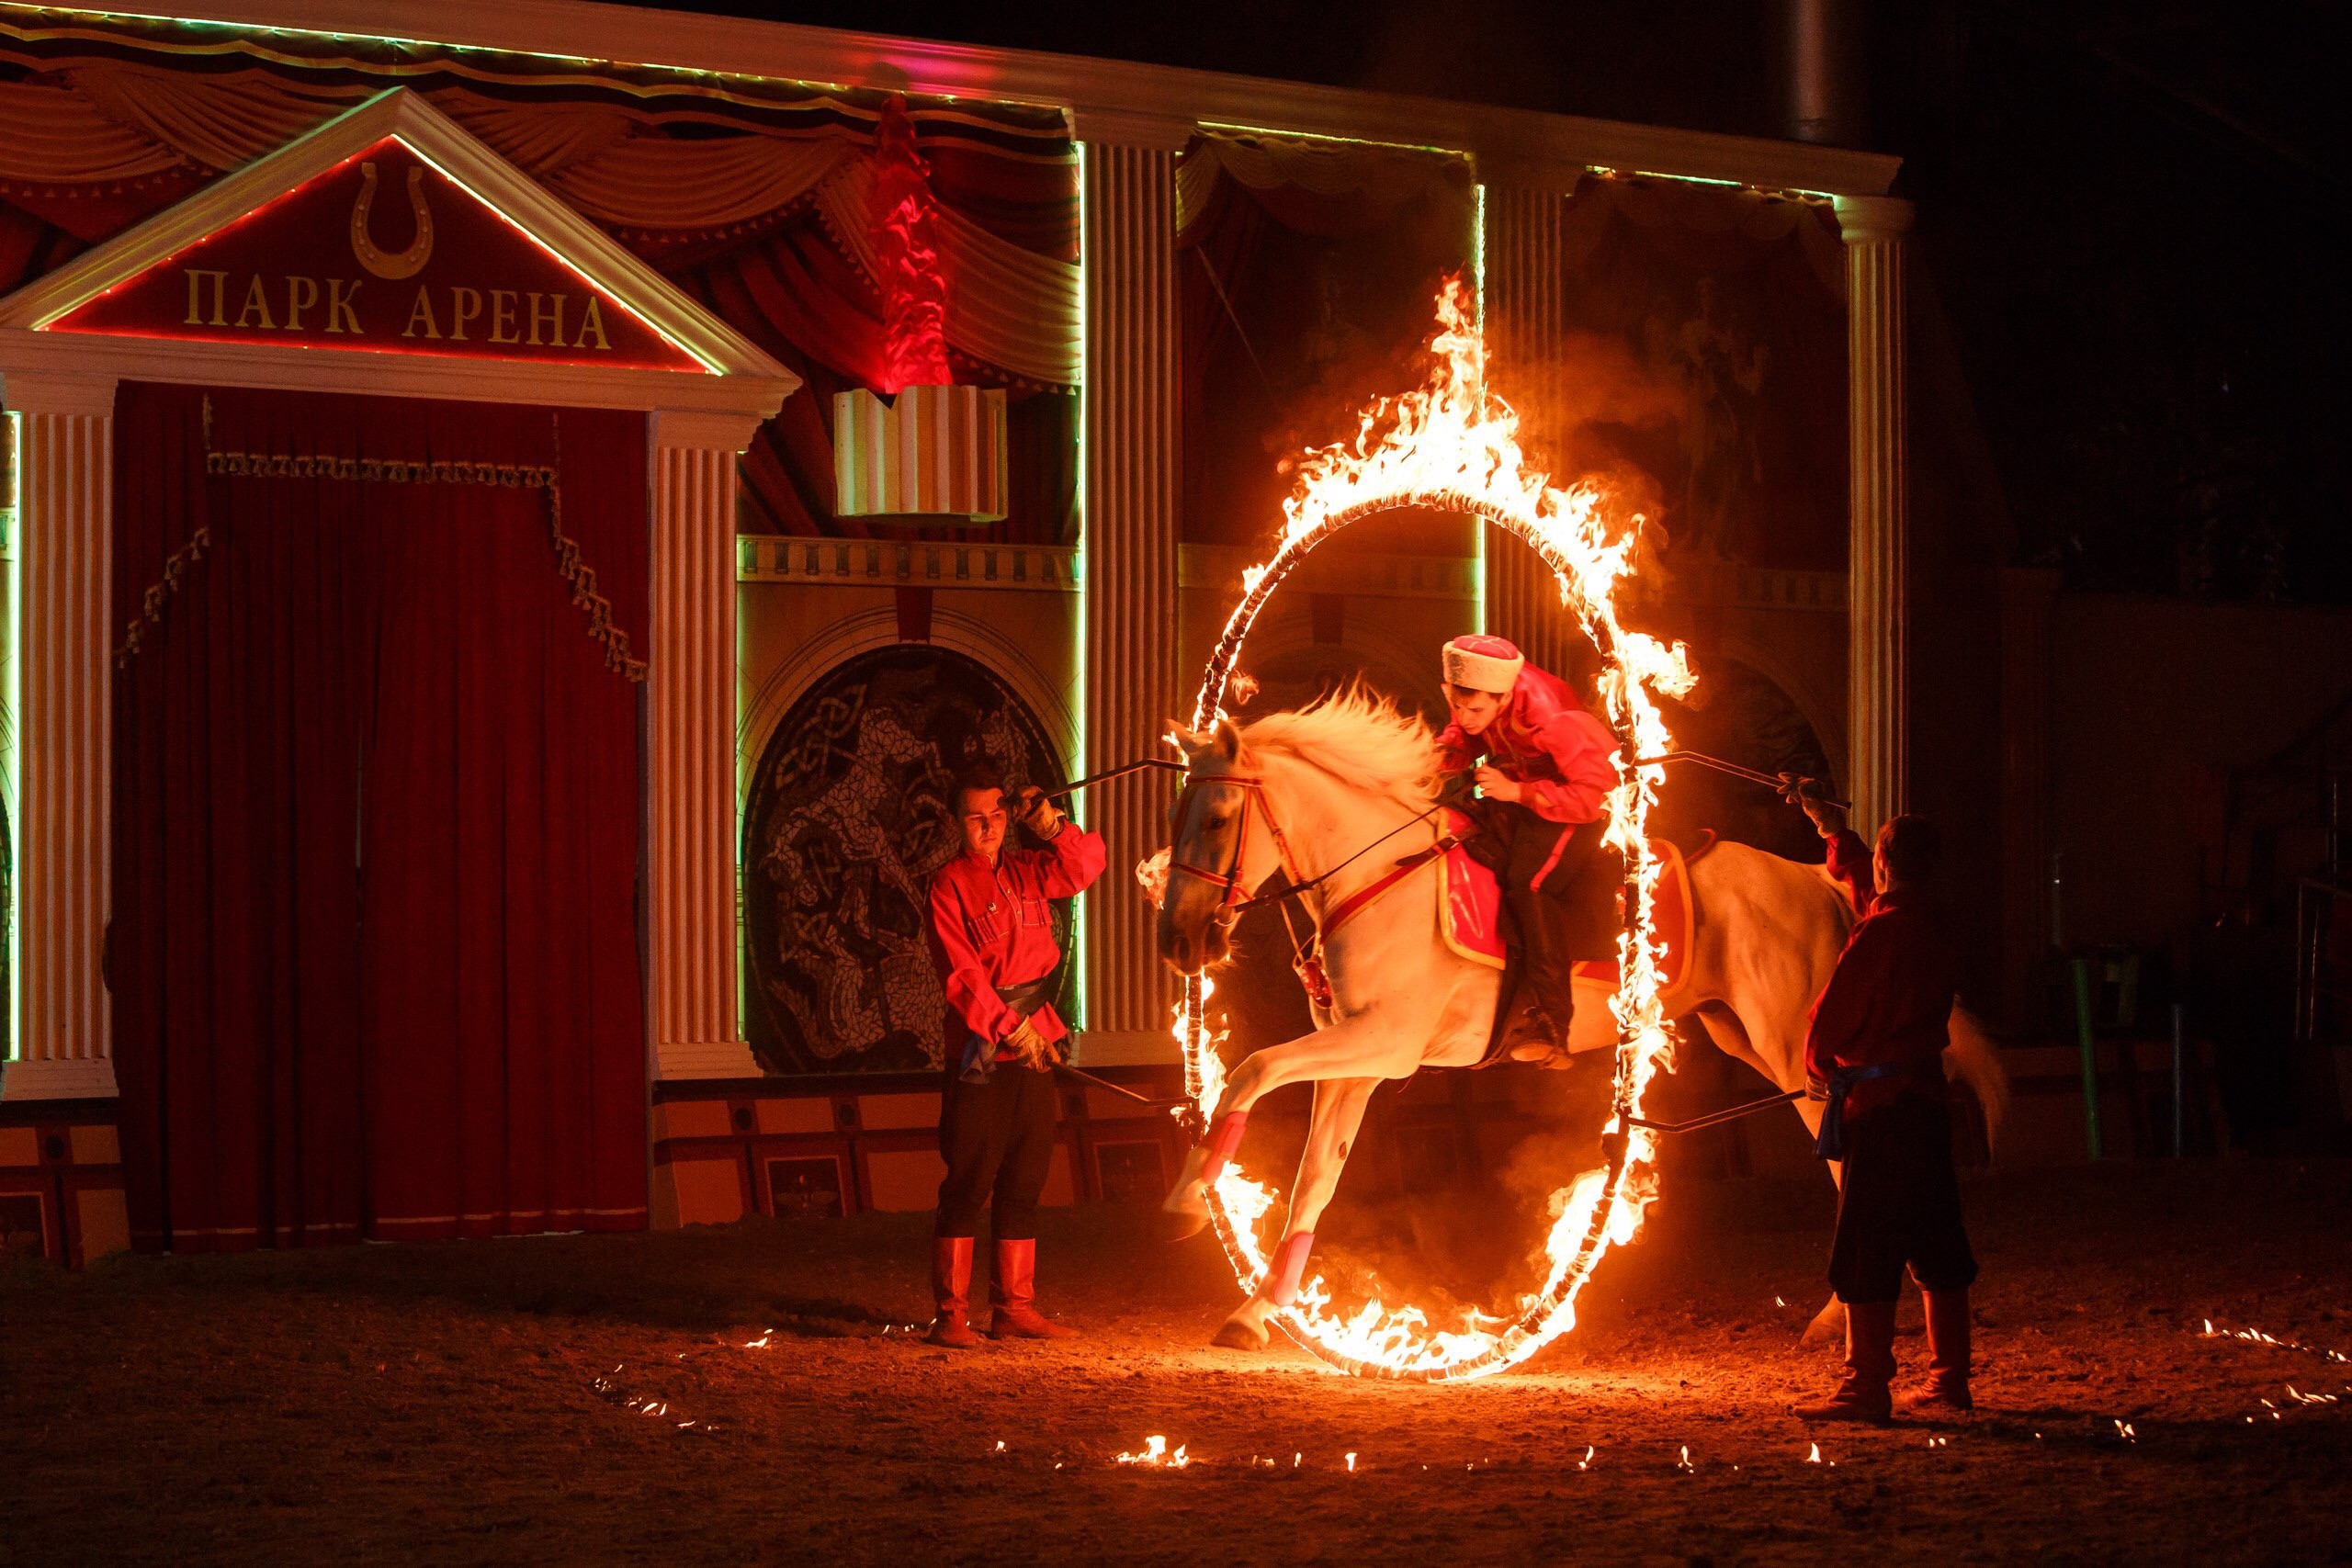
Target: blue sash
1830,1143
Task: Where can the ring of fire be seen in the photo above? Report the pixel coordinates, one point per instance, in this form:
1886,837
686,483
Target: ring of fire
1451,445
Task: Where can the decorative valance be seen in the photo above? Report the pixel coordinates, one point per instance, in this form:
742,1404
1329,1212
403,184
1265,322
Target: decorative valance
546,478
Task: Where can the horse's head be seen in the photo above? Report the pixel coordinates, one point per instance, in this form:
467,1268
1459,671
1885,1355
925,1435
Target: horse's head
1216,857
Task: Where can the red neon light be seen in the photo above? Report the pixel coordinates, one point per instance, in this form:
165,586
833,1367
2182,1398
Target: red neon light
914,292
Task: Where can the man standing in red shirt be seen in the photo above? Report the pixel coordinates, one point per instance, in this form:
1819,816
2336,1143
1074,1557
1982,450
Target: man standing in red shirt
1544,766
992,943
1874,1052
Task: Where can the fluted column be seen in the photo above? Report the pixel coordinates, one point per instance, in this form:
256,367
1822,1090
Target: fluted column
1134,478
1526,325
1877,695
64,1045
696,1031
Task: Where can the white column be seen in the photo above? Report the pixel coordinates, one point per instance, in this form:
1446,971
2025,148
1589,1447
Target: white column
1134,496
1877,698
65,1045
691,862
1526,325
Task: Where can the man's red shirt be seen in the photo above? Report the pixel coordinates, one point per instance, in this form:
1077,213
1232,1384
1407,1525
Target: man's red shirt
1542,738
991,926
1890,999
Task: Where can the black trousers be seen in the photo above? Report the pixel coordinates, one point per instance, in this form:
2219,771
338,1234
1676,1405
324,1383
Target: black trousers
1899,1205
998,1140
1582,883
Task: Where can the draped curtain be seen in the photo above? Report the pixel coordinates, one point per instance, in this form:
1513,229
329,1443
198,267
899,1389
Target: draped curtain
762,211
374,952
1309,272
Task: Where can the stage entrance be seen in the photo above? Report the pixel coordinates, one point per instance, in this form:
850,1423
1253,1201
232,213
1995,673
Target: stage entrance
379,608
375,816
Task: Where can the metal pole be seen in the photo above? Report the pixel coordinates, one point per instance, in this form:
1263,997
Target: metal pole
2090,1058
2179,1074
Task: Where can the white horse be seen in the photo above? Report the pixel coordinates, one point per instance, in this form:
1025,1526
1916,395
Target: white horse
1313,787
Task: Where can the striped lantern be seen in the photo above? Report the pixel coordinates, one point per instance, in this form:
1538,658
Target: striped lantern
936,452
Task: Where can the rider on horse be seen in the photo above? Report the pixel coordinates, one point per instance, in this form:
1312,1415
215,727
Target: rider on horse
1543,766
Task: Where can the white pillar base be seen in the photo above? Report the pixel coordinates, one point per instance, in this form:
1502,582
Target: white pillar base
69,1078
704,1059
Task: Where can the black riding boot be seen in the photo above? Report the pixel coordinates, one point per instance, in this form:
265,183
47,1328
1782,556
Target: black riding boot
1543,965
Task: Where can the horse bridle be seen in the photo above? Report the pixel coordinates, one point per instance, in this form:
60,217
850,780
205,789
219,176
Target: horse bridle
1253,803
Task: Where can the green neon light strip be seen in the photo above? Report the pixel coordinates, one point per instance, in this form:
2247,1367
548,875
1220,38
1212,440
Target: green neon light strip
11,432
1478,283
1078,944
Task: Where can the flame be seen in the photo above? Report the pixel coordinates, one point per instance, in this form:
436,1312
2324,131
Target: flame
1815,1456
1156,1455
1452,444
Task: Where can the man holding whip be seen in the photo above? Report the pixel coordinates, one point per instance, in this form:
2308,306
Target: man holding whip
992,944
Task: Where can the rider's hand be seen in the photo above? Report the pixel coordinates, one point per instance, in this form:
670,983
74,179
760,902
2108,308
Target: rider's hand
1495,784
1037,814
1815,1088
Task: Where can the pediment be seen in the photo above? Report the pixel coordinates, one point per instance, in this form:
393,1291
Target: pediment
387,230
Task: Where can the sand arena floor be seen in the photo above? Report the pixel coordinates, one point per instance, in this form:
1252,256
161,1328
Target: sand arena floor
488,1400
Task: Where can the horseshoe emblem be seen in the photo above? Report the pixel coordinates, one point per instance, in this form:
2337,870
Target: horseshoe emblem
410,262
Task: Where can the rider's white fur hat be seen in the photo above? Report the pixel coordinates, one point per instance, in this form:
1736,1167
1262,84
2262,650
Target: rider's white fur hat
1483,663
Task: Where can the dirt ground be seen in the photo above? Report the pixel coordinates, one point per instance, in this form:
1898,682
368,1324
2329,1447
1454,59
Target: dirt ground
487,1400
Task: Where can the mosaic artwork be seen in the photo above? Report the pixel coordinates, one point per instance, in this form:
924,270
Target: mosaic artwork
849,815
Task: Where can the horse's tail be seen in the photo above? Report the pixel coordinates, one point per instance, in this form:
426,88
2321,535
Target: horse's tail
1972,1058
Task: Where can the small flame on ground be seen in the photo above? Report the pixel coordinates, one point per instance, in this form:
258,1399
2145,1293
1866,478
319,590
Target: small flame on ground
1812,1458
1156,1455
1351,1464
2123,1429
762,1343
2257,1337
1586,1463
1684,1462
1000,1445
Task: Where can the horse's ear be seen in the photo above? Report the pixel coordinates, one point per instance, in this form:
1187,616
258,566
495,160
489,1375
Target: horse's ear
1228,740
1191,742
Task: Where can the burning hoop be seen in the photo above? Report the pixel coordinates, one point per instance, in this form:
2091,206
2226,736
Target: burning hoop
1453,446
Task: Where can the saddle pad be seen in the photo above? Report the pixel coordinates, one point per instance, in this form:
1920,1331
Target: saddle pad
1470,915
1470,903
1677,925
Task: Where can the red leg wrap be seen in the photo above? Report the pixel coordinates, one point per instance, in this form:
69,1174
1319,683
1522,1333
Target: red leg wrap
1224,1139
1290,1261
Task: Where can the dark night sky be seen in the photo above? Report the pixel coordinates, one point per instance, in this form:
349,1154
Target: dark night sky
2125,208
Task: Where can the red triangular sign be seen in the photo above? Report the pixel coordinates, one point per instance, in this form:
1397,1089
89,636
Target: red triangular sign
384,252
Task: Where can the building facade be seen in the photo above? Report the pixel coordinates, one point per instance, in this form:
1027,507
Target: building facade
271,276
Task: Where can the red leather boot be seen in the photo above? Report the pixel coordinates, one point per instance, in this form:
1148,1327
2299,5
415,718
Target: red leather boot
1013,1289
1947,1394
951,1289
1869,1368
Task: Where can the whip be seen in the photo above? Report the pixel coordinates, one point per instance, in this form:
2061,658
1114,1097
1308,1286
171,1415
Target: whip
1768,780
1107,773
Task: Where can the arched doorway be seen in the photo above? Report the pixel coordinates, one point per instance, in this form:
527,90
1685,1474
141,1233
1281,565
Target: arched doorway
848,817
1746,718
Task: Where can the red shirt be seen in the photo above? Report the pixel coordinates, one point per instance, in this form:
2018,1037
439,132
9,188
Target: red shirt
991,926
1890,999
1545,740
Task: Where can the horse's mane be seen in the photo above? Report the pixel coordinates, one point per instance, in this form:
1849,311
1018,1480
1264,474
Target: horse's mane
1359,736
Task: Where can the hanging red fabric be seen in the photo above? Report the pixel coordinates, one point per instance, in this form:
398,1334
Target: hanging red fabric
375,959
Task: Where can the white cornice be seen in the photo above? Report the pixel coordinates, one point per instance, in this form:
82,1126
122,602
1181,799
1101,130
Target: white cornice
403,113
41,360
1544,147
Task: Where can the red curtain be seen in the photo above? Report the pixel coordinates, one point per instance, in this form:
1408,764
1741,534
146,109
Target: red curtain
375,943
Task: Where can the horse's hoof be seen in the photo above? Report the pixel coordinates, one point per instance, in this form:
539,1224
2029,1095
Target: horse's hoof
1239,1336
1182,1224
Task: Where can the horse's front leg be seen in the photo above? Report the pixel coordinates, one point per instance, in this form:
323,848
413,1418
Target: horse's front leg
1355,1047
1339,1114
